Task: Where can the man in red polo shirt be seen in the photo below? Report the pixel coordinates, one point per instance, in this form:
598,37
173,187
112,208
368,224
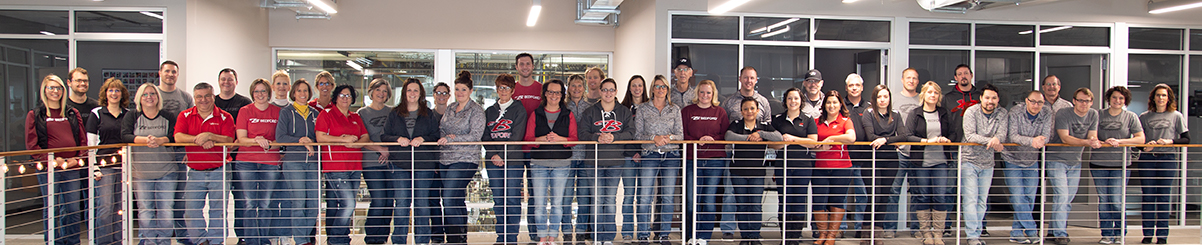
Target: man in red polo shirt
205,125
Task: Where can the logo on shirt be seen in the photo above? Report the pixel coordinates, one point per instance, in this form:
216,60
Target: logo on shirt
703,118
527,97
608,126
61,119
500,125
1160,124
262,120
1110,125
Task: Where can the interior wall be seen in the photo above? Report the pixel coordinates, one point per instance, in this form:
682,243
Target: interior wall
633,43
226,33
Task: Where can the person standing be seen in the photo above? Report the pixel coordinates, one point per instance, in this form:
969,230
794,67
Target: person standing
528,90
581,176
798,165
174,100
325,83
1117,126
812,83
505,165
1163,125
930,123
1051,94
833,164
258,165
205,125
296,124
905,101
984,124
442,94
463,122
410,124
1078,126
77,81
550,163
882,125
281,83
748,169
341,164
606,122
104,127
54,125
153,173
965,94
377,172
636,95
658,120
1030,128
704,120
747,81
231,102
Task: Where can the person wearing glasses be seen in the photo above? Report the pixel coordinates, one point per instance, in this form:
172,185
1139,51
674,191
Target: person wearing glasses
1077,125
258,165
1118,126
153,169
54,125
325,83
682,92
505,164
1030,128
442,93
342,165
581,176
463,122
205,125
658,120
1164,125
104,127
410,124
550,163
606,122
296,124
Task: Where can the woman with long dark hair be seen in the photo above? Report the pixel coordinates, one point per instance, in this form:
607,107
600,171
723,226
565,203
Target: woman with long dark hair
833,164
881,124
1163,125
636,95
410,124
930,123
798,165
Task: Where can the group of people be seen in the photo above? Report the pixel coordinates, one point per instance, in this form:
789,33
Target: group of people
432,157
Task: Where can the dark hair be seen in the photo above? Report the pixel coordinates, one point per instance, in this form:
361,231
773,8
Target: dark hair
298,82
785,97
1045,79
443,85
562,103
402,109
231,71
200,86
464,78
506,80
113,82
962,66
337,90
842,110
609,80
989,86
1122,90
748,99
876,91
1034,92
521,55
168,62
1172,104
627,101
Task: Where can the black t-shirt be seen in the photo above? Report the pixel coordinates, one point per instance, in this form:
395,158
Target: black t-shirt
108,127
749,159
801,126
85,108
233,104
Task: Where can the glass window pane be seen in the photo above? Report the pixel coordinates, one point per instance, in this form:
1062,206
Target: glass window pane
395,67
852,30
485,67
935,65
1005,35
1195,40
778,68
1147,70
119,22
777,29
21,79
1010,72
1076,71
705,27
1155,38
33,22
1074,36
939,33
716,62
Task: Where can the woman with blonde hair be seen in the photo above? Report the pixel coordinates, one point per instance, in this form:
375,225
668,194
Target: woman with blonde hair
930,123
154,171
53,125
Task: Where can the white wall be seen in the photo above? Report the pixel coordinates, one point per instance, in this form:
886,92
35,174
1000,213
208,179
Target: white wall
226,33
634,51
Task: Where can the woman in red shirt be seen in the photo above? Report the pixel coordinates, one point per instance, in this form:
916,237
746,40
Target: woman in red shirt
341,164
258,165
831,175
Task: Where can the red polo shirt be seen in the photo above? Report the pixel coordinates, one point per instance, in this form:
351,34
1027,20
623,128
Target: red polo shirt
219,122
258,123
314,104
837,156
337,158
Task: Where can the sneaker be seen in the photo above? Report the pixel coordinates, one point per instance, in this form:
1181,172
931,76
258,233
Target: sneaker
1106,240
1162,241
889,234
984,232
1018,240
975,242
627,238
729,236
607,243
1061,240
1146,240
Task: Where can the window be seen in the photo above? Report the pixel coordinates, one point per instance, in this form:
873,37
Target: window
1074,36
716,62
1005,35
486,66
119,21
851,30
1010,72
46,22
940,33
705,27
358,68
776,29
1155,38
1147,70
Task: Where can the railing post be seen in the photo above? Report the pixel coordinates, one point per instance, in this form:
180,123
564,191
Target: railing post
91,198
684,219
4,201
872,212
960,191
225,194
321,225
1123,198
127,200
596,206
1184,188
50,191
1043,193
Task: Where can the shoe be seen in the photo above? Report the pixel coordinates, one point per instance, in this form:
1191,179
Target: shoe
1146,240
924,227
607,243
664,240
644,241
938,217
947,231
1060,240
1027,241
584,237
888,234
792,242
984,233
820,224
567,238
744,243
728,237
1020,240
1106,240
975,242
627,238
754,243
834,218
1162,241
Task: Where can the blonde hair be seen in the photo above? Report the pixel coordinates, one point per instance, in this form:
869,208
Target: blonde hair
142,89
280,73
697,92
62,103
938,92
596,69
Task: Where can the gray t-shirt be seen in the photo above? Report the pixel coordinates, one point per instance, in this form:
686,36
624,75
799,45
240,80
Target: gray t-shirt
1077,126
373,120
411,121
176,101
153,163
905,106
933,154
1120,126
1163,125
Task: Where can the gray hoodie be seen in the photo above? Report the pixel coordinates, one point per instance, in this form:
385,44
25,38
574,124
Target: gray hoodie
980,128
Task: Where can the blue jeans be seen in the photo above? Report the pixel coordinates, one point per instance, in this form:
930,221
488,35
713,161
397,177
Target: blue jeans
665,166
1109,182
930,187
259,181
1157,173
580,187
379,181
709,179
830,187
630,176
156,198
236,190
1023,183
301,181
607,192
506,184
797,183
904,170
548,185
749,191
856,210
1063,180
424,205
400,189
726,216
107,202
976,182
340,205
201,184
454,194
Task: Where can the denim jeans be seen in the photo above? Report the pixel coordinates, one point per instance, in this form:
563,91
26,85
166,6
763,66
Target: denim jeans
726,217
181,225
1109,182
749,191
382,203
400,189
156,198
548,185
107,202
797,183
665,168
236,190
930,186
1157,173
830,187
455,178
424,192
301,181
340,205
709,179
209,184
881,174
630,176
506,184
1023,183
258,182
1063,180
607,192
579,187
856,208
976,182
67,193
904,171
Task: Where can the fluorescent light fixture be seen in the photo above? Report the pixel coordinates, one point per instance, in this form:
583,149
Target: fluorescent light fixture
152,14
352,64
1172,5
47,33
774,26
778,32
731,4
1058,28
323,6
534,11
849,1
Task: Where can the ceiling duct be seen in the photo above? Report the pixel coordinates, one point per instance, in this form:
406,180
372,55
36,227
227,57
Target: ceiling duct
963,6
598,12
304,9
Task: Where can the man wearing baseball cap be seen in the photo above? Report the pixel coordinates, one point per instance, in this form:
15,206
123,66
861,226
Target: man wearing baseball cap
683,91
812,86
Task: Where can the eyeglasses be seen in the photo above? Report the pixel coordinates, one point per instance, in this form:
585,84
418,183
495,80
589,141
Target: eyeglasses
54,88
1035,101
260,91
683,69
150,94
609,90
660,87
1083,101
504,88
344,95
441,93
554,92
324,84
